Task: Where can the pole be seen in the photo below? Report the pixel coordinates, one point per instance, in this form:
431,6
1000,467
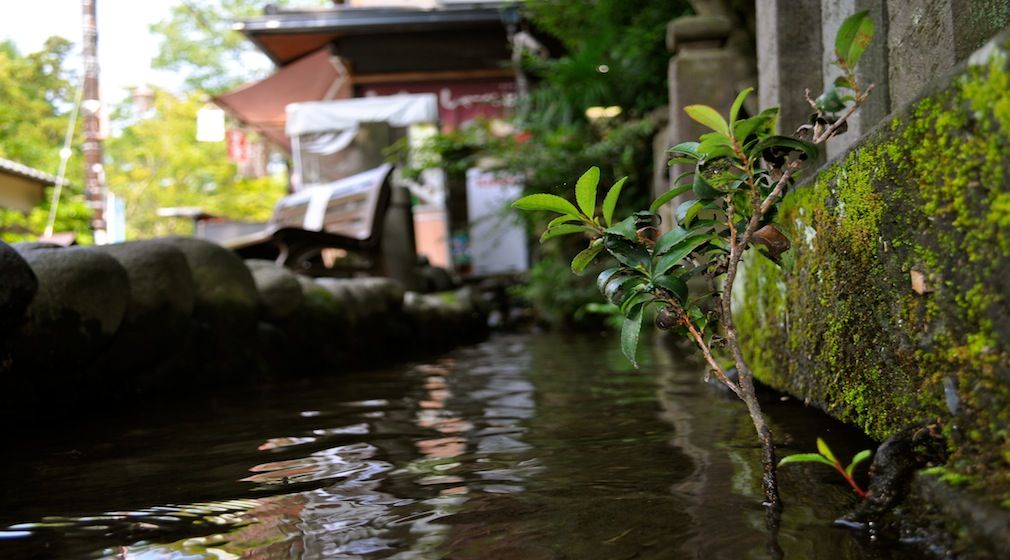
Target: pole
94,174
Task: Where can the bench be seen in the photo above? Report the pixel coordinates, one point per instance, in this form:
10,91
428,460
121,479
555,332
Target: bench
326,230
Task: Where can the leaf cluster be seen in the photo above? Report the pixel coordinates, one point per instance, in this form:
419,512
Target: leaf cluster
726,179
824,456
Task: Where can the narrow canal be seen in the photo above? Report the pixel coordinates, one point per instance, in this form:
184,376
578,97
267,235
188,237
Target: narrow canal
525,446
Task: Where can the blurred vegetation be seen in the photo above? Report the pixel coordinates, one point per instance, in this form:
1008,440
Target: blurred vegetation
615,56
154,162
36,98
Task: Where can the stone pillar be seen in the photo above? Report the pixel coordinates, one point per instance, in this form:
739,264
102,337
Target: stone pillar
701,71
789,57
926,38
872,68
399,252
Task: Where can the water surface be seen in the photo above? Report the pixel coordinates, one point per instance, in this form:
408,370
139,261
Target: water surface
525,446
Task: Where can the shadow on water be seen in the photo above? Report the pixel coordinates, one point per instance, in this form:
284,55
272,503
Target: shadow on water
525,446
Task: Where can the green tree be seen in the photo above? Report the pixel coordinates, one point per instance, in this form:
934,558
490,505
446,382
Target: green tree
197,41
36,98
156,162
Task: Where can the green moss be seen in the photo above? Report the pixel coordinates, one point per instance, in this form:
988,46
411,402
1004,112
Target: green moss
839,323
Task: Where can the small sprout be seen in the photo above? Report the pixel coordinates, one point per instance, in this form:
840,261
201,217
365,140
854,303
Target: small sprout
826,457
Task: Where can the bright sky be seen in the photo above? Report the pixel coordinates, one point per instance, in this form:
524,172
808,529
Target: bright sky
125,44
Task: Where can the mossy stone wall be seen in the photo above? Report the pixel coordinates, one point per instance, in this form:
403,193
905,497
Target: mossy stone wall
926,194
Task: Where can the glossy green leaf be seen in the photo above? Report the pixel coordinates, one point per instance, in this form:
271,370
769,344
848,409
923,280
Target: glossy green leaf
829,102
548,202
669,239
703,188
610,201
629,334
582,260
687,211
737,103
823,449
626,228
859,458
761,124
616,289
635,294
585,190
805,458
686,148
677,254
564,229
564,218
708,117
853,37
668,196
674,285
606,276
628,253
787,143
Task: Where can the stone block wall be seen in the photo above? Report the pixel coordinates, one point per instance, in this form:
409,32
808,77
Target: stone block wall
893,304
83,328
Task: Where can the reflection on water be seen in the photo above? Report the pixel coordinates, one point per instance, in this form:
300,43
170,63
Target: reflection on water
526,446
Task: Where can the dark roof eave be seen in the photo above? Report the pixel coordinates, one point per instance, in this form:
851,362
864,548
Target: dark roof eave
365,20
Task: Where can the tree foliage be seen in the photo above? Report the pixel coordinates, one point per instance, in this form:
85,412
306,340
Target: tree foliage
198,42
36,98
156,162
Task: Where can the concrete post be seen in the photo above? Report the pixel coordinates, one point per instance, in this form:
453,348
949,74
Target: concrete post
872,68
789,57
399,252
702,71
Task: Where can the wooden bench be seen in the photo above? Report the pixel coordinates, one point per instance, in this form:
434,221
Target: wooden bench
326,230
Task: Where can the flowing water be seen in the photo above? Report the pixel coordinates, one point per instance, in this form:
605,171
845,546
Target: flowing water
525,446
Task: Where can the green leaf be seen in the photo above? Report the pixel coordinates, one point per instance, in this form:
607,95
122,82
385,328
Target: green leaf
582,260
585,190
605,277
677,254
760,124
853,37
714,145
615,290
737,103
564,229
610,201
626,228
829,102
548,202
789,143
703,188
564,218
687,148
628,253
687,211
805,458
843,82
859,458
629,333
708,117
674,285
823,449
668,196
669,239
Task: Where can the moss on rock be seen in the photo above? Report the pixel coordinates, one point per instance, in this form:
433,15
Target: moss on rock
926,194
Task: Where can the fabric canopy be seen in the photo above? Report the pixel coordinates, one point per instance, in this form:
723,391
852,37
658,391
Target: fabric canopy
261,104
333,116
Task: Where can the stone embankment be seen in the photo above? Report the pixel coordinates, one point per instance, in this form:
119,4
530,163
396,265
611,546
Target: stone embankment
86,327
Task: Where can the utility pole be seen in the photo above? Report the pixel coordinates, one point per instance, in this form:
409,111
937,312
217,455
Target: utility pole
94,173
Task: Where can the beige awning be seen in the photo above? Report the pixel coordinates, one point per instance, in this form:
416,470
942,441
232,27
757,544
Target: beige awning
261,105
